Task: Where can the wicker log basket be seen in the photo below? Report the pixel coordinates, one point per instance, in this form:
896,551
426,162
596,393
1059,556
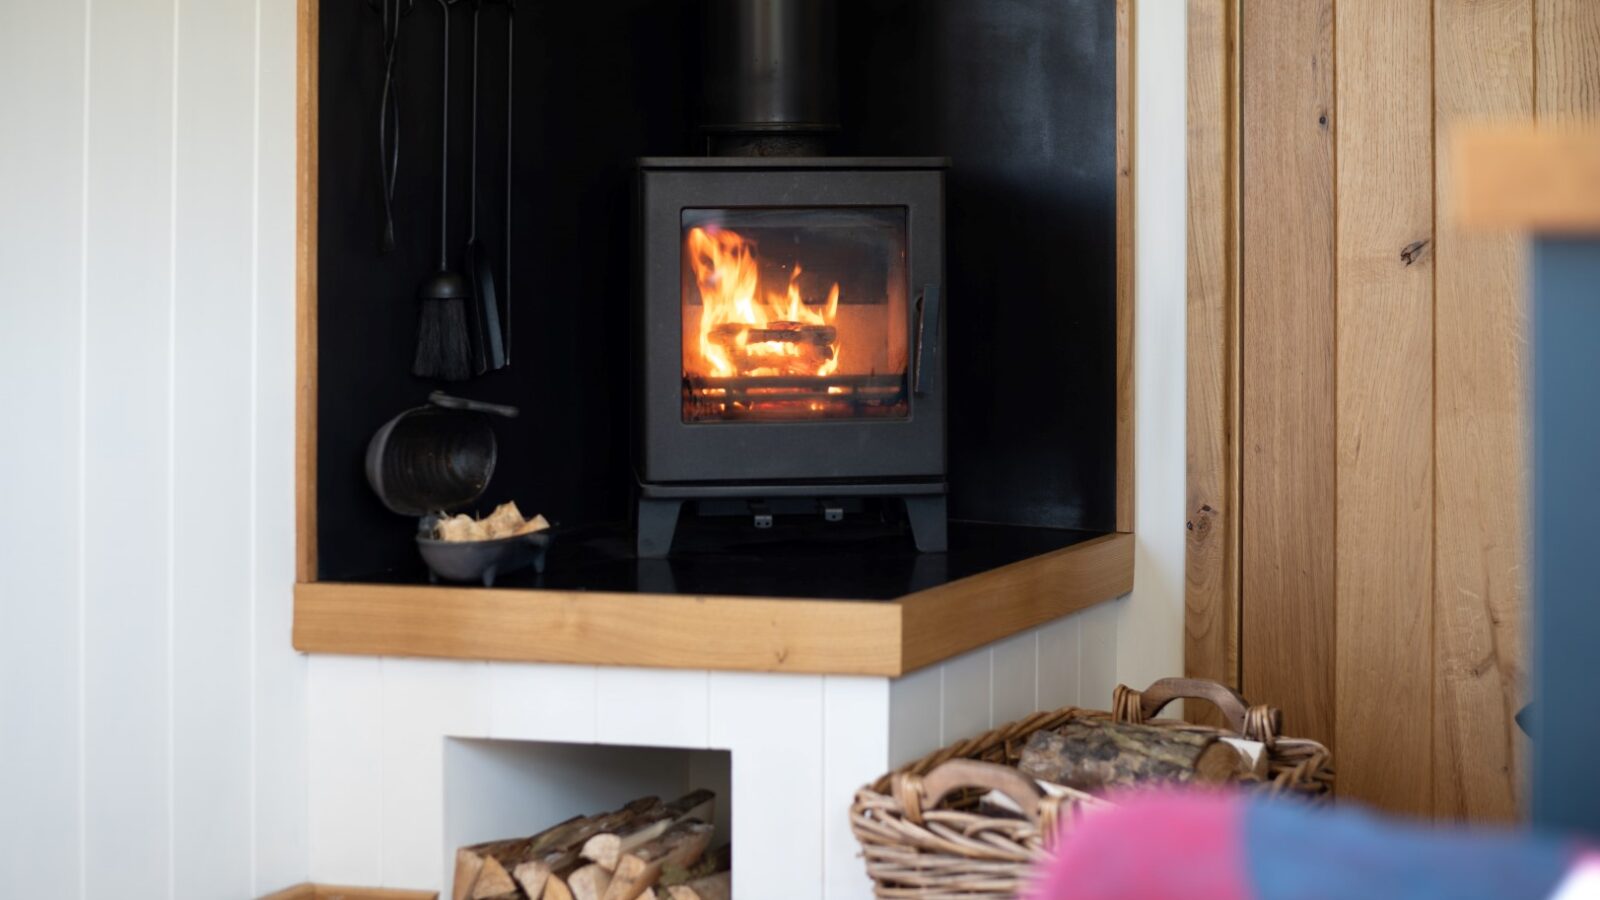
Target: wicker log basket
923,836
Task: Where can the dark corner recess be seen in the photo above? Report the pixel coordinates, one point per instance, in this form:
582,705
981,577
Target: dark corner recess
1019,96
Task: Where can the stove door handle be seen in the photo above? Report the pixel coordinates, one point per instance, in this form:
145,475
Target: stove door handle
926,365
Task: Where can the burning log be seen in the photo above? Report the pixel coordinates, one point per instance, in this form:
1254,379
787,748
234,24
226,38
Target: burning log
729,333
1089,754
749,346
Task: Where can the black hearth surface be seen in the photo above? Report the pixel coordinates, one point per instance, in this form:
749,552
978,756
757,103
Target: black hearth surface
826,561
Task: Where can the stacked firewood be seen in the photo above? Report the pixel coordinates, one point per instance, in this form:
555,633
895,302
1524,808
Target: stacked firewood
649,849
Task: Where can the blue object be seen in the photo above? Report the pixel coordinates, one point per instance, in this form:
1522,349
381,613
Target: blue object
1566,541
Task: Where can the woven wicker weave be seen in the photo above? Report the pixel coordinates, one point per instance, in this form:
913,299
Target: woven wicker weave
923,838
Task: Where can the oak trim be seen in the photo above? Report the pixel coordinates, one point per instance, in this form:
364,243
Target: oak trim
305,291
1528,179
1125,256
598,628
761,634
951,619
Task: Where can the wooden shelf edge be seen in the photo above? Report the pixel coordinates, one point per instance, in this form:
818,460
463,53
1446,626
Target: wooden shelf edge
963,615
755,634
596,628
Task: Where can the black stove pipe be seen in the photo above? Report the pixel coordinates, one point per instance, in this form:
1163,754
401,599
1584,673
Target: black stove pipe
770,80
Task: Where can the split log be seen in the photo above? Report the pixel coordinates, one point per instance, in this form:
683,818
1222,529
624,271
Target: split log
682,846
557,889
607,849
486,871
589,883
472,861
710,863
1090,754
711,887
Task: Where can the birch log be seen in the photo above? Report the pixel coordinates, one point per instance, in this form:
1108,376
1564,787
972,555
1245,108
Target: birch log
1090,754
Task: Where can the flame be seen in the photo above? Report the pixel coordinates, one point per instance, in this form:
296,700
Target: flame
733,308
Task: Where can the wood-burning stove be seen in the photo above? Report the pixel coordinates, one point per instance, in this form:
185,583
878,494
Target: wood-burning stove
790,327
790,335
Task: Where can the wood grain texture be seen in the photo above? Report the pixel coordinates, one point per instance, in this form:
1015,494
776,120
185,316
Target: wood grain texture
305,441
737,633
749,633
1384,634
1567,61
1483,63
1211,591
953,618
1287,362
1125,248
1524,178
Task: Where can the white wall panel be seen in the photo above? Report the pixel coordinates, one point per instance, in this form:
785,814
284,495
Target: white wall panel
855,751
211,430
147,174
1015,678
1150,627
423,702
915,707
543,702
128,550
653,707
344,718
1058,663
1100,665
773,725
41,179
965,696
280,756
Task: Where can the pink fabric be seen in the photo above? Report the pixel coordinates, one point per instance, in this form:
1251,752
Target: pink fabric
1123,853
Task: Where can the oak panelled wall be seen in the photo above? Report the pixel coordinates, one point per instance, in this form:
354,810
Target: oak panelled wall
1357,474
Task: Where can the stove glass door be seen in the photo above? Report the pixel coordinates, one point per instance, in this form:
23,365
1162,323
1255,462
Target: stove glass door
791,314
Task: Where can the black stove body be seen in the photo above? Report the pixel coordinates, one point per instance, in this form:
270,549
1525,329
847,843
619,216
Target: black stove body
791,336
789,352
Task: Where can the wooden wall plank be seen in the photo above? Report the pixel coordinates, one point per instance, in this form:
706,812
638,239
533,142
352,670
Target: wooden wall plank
1567,55
1211,590
1287,361
1384,634
1125,243
1483,62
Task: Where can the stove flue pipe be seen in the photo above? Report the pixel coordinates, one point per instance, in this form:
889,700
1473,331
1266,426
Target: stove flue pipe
770,80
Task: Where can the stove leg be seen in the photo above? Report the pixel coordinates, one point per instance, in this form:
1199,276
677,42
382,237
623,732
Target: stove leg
658,519
927,516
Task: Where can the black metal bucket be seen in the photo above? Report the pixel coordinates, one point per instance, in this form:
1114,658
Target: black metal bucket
436,458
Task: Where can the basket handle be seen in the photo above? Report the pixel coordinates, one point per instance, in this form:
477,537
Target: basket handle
915,793
1258,723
